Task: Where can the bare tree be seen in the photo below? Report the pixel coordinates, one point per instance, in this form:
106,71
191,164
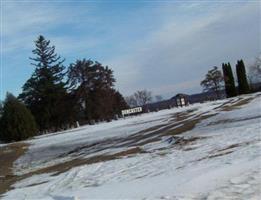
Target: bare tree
213,81
255,71
139,98
131,101
143,97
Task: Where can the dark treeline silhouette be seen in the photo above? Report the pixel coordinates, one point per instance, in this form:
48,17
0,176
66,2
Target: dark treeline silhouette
229,80
213,81
58,97
243,86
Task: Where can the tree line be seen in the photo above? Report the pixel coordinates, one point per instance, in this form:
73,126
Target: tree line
54,97
216,82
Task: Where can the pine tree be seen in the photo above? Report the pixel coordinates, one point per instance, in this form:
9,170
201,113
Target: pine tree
45,90
243,86
119,103
1,108
17,122
229,80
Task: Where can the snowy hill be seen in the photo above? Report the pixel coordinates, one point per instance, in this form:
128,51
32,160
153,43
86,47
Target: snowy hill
203,151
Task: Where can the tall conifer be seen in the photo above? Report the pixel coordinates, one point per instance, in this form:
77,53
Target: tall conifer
45,90
243,86
16,121
229,80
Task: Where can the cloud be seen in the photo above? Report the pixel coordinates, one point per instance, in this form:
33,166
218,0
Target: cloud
24,21
166,47
182,49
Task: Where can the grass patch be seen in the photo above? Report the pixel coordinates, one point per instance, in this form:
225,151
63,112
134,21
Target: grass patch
8,155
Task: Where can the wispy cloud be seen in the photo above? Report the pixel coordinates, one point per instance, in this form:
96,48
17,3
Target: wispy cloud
165,47
23,21
182,49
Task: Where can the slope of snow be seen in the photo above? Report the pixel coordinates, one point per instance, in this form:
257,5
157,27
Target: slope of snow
222,163
52,147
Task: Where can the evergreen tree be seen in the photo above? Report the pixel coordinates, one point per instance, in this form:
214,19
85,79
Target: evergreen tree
1,108
17,122
45,90
243,86
229,80
92,84
108,103
101,107
119,103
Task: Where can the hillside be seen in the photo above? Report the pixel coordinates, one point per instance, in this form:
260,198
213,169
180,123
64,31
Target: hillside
203,151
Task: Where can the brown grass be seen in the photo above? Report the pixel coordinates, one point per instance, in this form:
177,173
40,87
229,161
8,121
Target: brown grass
237,104
179,123
8,154
187,125
9,179
65,166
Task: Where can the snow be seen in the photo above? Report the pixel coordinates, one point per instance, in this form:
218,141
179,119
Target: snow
223,162
52,146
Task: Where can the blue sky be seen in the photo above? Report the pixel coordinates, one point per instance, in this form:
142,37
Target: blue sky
163,46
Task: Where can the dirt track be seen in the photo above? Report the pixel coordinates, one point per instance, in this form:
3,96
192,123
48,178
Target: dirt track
8,154
177,125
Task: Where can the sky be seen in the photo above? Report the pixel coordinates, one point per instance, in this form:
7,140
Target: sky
166,46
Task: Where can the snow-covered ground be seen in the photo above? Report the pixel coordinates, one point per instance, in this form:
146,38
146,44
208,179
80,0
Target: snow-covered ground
53,147
218,159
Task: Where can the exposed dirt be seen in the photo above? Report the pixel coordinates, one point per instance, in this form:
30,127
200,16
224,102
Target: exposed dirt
186,125
237,104
179,123
232,146
9,179
219,154
65,166
181,142
227,150
132,142
233,120
214,155
8,154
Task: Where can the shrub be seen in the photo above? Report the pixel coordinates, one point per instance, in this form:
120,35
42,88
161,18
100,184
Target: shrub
17,122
